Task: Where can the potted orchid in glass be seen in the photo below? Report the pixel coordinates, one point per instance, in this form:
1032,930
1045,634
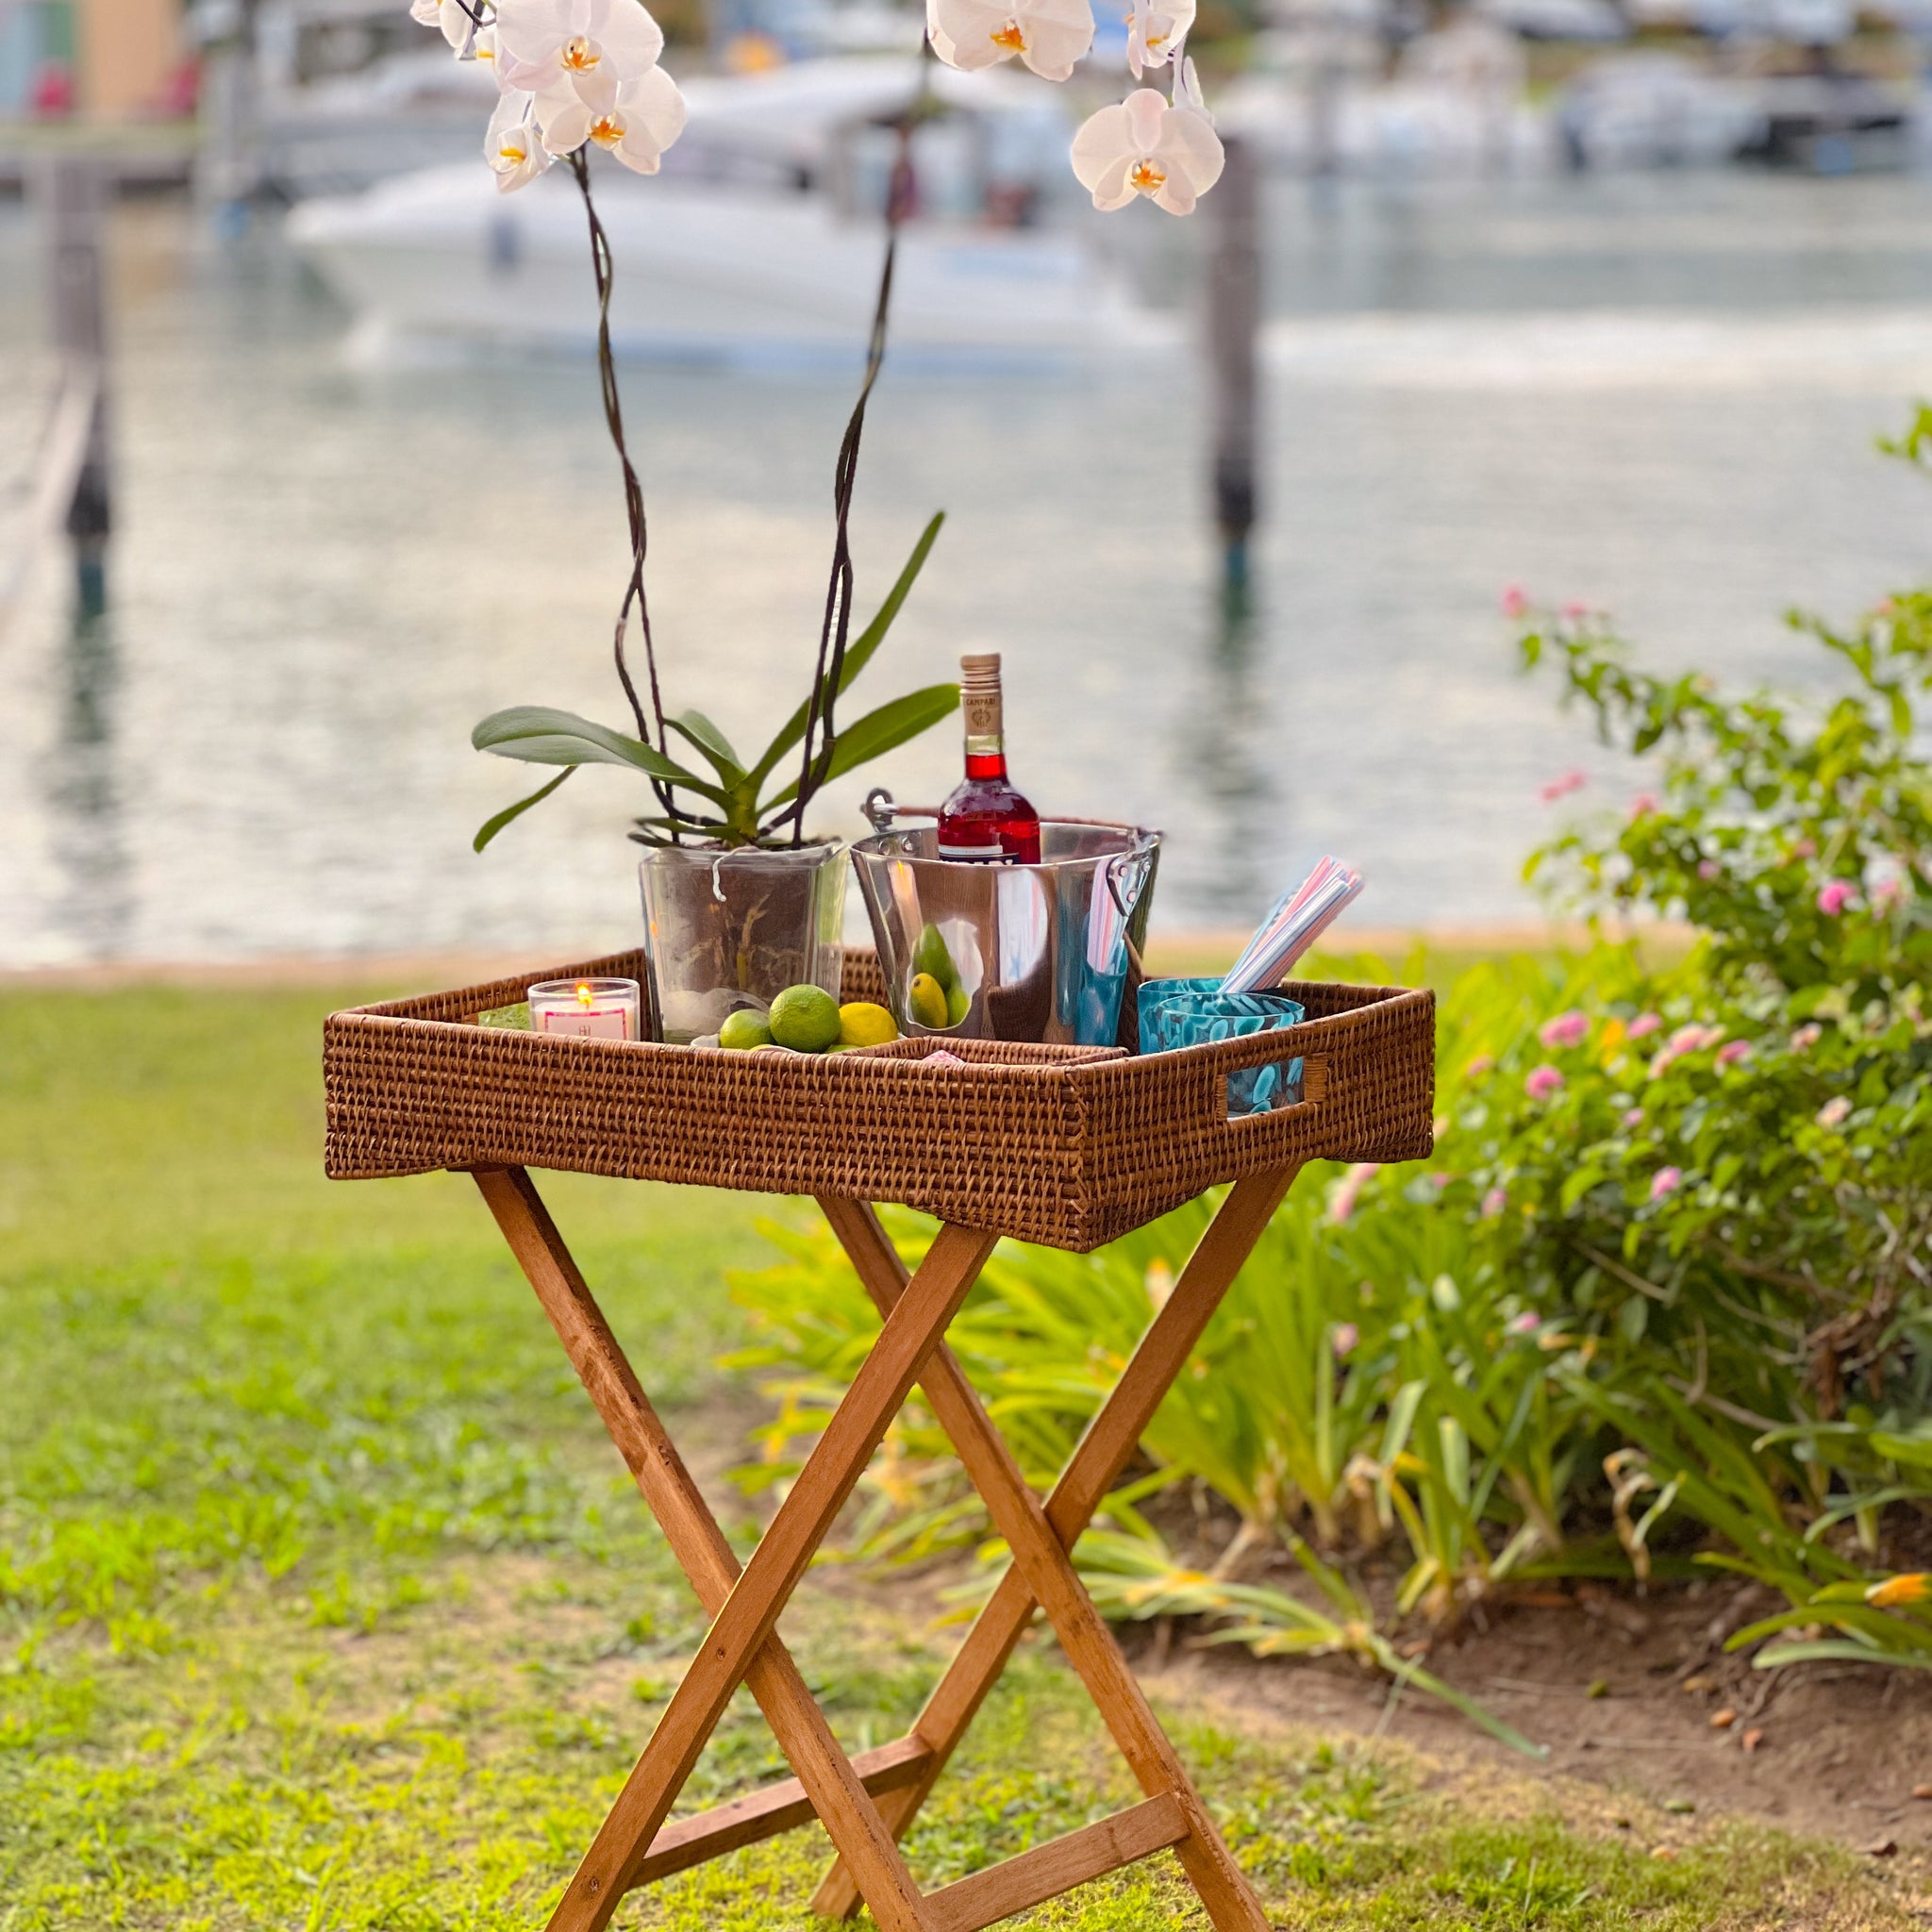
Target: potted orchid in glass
739,902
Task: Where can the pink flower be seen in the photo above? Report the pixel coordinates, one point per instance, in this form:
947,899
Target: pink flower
1644,1024
1708,869
1835,895
1493,1203
1525,1324
1345,1337
1804,848
1887,892
1806,1037
1833,1112
1575,609
1644,804
1440,1180
1349,1193
1479,1066
1563,783
1634,1119
1732,1052
1515,600
1691,1039
1664,1181
1543,1082
1566,1029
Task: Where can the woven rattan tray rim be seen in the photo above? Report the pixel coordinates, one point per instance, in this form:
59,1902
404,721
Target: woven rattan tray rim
1305,1041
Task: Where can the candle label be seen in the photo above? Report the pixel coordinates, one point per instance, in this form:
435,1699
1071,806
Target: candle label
608,1024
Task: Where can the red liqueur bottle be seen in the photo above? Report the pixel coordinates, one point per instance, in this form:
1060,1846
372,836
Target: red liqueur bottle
986,818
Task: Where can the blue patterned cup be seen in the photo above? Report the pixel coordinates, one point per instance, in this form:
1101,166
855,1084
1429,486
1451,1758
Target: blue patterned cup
1196,1012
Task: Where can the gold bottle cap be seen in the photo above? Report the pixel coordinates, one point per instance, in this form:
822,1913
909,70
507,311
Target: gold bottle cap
979,695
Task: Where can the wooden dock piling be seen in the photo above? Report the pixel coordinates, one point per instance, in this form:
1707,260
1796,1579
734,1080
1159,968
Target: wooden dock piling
1234,321
71,193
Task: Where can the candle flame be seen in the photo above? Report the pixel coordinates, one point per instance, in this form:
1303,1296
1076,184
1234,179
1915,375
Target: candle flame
584,995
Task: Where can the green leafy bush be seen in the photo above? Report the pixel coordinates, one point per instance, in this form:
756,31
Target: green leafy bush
1662,1302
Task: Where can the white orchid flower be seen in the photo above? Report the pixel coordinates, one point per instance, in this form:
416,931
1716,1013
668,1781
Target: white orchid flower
457,22
1155,33
643,119
514,146
1187,87
1048,35
1167,152
583,48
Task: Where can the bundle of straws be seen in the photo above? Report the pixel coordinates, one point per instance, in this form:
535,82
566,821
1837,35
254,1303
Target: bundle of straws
1298,920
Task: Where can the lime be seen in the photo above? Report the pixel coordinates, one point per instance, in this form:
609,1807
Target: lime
861,1023
959,1004
744,1030
927,1000
804,1018
931,957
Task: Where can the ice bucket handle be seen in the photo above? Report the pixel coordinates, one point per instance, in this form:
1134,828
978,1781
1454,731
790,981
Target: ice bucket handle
882,809
1129,873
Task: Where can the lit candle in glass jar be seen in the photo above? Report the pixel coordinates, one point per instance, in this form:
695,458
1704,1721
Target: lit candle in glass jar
587,1008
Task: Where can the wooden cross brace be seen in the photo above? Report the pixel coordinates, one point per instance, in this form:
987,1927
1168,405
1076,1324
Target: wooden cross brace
866,1802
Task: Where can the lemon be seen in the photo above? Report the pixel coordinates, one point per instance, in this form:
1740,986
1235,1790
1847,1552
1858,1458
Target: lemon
744,1030
931,957
927,1000
959,1004
804,1018
861,1023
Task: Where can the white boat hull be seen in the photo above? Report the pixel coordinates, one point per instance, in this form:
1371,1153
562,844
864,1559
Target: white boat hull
700,270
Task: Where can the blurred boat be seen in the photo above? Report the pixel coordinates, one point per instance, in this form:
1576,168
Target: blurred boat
1314,98
1653,110
1831,122
349,93
1657,110
762,242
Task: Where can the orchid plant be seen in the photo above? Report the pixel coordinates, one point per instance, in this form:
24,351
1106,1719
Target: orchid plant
574,75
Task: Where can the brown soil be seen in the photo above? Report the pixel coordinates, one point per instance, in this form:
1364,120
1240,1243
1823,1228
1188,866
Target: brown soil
1631,1695
1634,1695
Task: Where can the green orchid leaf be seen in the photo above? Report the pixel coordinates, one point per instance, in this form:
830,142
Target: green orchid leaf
539,735
881,731
859,652
696,729
490,827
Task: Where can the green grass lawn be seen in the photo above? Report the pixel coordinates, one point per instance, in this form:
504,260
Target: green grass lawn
325,1604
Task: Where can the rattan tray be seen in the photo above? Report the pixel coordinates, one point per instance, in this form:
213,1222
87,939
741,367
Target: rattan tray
1065,1146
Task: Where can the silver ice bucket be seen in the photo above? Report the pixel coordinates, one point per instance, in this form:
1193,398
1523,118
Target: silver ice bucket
1047,952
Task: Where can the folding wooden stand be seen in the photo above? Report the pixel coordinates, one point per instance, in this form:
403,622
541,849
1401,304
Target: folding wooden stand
1068,1146
867,1802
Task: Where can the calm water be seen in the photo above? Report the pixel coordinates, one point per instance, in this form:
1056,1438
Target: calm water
1657,394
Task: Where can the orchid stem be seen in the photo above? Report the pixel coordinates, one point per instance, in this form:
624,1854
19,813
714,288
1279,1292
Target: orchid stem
633,500
837,626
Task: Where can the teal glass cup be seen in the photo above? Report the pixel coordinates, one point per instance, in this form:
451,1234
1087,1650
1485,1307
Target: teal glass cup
1196,1012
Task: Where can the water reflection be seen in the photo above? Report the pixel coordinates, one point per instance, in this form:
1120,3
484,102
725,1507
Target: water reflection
309,604
85,810
1223,742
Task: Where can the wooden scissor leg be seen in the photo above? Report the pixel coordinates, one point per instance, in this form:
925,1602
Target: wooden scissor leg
1040,1538
744,1604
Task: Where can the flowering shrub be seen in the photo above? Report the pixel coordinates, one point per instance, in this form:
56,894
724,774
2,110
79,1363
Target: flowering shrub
1662,1299
1722,1175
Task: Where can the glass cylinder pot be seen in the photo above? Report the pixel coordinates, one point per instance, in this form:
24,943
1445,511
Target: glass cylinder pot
725,930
